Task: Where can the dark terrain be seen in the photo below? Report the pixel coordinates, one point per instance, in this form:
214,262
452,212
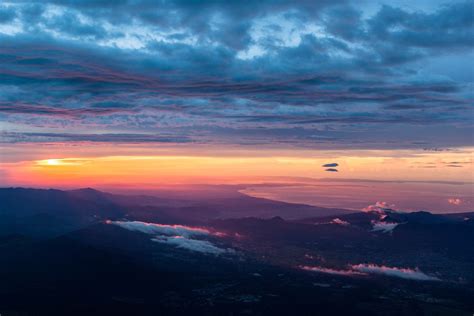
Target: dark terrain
66,253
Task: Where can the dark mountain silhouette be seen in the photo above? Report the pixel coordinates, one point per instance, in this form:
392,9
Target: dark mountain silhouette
85,206
63,254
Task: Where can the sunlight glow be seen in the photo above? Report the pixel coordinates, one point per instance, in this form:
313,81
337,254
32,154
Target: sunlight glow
49,162
150,170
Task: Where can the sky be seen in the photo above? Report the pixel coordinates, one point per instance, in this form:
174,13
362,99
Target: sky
95,92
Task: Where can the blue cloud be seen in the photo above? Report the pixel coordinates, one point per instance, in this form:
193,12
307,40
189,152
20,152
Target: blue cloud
7,15
317,74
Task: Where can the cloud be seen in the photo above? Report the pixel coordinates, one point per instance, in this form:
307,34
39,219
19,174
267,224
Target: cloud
305,74
203,246
339,221
11,137
331,170
332,271
329,165
456,164
180,236
158,229
455,201
379,207
7,14
400,27
384,227
404,273
366,269
383,210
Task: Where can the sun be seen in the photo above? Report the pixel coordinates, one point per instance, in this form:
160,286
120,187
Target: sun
49,162
53,162
62,162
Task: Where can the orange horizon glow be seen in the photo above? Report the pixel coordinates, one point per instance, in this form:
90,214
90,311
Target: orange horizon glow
155,170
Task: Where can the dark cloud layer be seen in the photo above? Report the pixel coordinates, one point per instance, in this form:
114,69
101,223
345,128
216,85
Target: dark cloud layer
315,74
102,138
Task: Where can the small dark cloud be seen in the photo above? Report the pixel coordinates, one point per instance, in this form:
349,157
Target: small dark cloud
436,149
332,170
331,165
457,163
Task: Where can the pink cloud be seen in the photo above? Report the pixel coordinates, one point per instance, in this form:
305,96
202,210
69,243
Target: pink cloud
455,201
339,221
404,273
379,207
331,271
369,268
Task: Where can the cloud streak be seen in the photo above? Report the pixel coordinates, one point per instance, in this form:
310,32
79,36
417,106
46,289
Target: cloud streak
196,245
404,273
368,269
8,137
332,271
158,229
180,236
339,221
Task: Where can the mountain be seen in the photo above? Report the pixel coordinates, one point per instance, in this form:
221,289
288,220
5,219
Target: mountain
21,207
40,212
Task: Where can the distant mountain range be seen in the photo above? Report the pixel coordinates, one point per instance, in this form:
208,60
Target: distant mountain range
34,209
